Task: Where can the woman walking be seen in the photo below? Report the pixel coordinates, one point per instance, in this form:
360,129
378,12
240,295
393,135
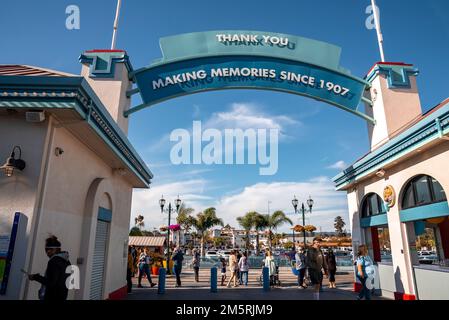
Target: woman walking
331,268
233,267
271,265
144,268
364,267
244,268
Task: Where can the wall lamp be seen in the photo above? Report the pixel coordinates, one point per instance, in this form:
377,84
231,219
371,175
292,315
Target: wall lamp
13,163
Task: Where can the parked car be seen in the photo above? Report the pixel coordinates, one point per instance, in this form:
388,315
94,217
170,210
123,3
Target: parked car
427,257
225,253
211,254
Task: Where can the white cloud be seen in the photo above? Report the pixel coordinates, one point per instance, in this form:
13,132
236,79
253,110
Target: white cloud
328,202
249,116
339,165
146,202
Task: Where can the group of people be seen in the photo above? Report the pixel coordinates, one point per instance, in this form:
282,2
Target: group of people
141,261
314,262
238,267
317,264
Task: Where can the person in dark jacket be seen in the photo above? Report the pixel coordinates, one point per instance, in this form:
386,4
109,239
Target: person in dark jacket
54,287
316,266
178,257
331,268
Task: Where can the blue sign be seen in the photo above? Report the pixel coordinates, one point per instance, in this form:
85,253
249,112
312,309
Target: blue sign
218,60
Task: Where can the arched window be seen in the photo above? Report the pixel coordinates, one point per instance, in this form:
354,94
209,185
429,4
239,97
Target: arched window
422,190
372,205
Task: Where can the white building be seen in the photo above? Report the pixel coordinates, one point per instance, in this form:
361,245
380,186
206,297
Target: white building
79,175
398,190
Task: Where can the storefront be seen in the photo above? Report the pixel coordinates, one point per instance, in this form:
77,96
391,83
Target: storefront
397,193
70,171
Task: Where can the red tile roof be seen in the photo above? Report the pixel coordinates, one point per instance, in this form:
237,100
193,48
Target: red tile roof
24,70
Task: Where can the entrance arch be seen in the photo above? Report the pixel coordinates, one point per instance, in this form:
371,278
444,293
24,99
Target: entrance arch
220,60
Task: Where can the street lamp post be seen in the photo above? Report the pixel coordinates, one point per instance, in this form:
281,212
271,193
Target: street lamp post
303,211
295,205
169,210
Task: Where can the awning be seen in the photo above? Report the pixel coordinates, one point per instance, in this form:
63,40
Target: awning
147,241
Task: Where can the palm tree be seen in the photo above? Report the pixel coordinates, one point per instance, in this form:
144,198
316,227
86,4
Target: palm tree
139,221
184,217
274,221
247,222
203,222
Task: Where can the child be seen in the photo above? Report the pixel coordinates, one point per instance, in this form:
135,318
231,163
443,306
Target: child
223,271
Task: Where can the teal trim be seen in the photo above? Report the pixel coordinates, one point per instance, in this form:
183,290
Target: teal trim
420,227
201,44
146,76
398,76
131,92
104,214
150,104
425,131
434,210
72,93
374,221
102,63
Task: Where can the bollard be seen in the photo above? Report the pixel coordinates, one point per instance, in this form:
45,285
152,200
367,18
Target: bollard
266,279
213,279
161,283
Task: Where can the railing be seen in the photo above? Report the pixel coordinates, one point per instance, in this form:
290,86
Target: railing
256,262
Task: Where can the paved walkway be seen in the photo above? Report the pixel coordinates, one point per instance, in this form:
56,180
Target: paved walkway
191,290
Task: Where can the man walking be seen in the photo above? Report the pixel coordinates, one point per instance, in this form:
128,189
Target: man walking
300,261
316,264
178,257
53,283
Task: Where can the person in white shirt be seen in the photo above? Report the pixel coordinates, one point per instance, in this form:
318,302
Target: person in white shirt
244,268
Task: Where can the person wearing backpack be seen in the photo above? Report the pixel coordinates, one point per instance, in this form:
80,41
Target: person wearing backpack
365,271
54,287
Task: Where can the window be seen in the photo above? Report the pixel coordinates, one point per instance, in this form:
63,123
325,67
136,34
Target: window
384,243
372,205
422,190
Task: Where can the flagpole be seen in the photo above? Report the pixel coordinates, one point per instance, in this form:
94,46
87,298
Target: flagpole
114,33
380,38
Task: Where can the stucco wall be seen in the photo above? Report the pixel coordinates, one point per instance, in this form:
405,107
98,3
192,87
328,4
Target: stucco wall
70,177
433,162
19,193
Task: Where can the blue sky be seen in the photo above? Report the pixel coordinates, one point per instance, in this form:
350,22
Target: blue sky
319,137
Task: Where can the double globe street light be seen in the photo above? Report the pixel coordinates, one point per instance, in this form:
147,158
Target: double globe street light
303,209
169,211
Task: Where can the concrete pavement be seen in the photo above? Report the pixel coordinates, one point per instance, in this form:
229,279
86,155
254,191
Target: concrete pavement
191,290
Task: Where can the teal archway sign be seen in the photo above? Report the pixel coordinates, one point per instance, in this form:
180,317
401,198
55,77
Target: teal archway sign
237,59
